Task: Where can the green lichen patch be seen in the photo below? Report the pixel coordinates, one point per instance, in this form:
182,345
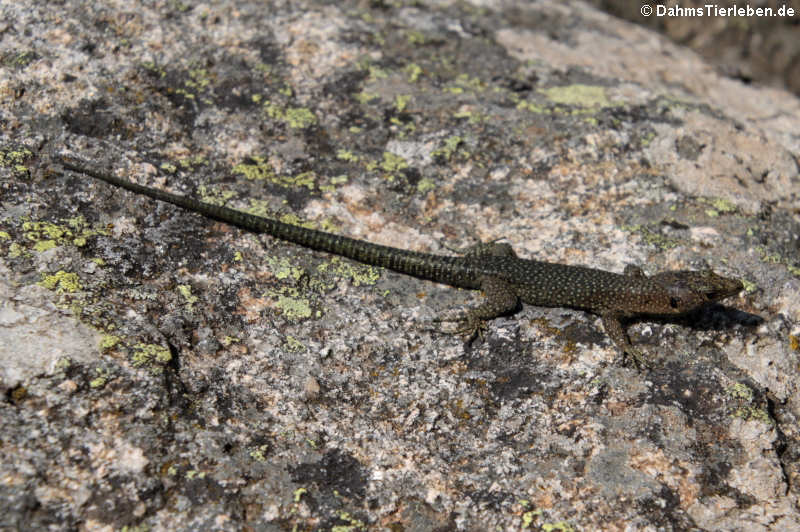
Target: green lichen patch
578,95
102,377
747,409
526,105
259,168
168,167
294,308
18,59
109,341
15,250
61,282
529,516
186,292
47,235
259,454
749,286
718,206
346,155
472,116
465,84
365,97
560,526
294,345
414,72
652,237
214,196
229,340
753,413
282,268
401,102
772,257
189,163
351,523
150,354
293,219
294,117
448,148
15,159
391,164
425,184
255,167
741,392
357,273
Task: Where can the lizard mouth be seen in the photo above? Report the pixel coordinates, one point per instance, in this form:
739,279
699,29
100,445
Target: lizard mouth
722,293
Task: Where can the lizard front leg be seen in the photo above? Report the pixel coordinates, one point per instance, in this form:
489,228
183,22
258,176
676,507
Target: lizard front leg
612,323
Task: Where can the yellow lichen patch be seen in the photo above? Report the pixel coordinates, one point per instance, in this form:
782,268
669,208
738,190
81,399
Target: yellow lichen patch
294,308
108,341
741,391
145,354
414,71
560,526
294,345
261,169
525,105
425,184
62,282
401,102
293,219
102,378
186,292
259,454
346,155
15,250
44,245
294,117
578,95
719,206
283,269
214,196
47,235
449,147
392,163
229,340
358,273
15,159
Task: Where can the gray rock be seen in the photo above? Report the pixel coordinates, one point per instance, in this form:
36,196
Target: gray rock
165,371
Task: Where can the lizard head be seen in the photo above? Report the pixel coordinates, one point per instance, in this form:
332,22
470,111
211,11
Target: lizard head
685,291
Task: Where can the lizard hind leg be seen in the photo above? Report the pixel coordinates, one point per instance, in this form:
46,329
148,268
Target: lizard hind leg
500,298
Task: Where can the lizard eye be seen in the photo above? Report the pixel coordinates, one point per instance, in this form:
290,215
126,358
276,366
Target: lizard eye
674,302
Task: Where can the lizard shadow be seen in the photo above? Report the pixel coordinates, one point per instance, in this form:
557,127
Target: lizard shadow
713,317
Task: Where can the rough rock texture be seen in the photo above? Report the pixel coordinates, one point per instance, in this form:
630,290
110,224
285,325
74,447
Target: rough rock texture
168,372
761,49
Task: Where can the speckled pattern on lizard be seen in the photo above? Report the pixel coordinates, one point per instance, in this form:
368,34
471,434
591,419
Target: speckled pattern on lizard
495,269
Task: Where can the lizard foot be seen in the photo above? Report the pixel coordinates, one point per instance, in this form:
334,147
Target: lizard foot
468,325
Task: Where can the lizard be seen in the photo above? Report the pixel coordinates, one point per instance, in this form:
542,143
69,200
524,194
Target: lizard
494,268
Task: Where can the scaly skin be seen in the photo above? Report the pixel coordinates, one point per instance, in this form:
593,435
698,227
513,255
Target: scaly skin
495,269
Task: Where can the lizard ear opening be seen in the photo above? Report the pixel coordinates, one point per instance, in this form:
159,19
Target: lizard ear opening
674,302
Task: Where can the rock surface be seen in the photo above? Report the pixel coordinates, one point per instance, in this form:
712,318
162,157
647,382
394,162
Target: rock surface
165,371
